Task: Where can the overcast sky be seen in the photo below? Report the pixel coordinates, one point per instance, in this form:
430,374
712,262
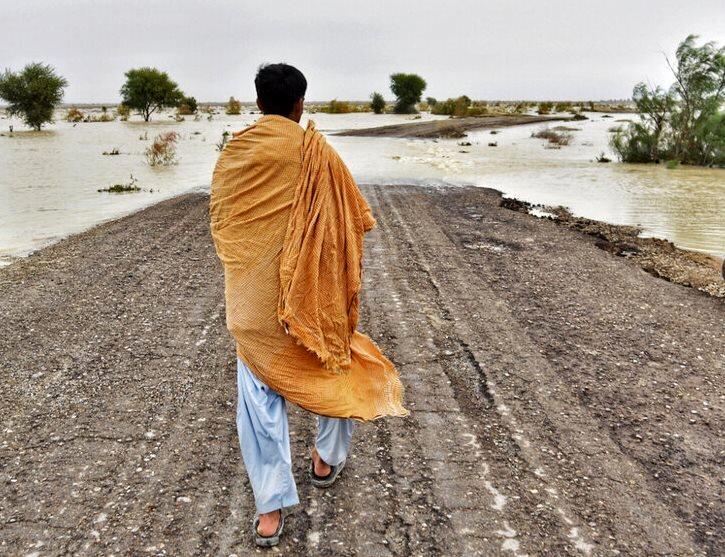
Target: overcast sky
487,49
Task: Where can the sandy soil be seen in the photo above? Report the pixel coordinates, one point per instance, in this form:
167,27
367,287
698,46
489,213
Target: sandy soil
564,401
450,128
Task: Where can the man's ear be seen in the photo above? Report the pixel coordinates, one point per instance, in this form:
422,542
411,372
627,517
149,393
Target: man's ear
259,106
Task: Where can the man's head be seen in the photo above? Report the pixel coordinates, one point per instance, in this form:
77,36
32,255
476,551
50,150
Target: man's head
281,90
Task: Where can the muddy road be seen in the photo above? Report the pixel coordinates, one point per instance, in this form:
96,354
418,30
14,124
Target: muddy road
563,401
452,127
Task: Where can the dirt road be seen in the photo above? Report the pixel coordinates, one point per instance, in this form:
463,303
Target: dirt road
563,401
452,127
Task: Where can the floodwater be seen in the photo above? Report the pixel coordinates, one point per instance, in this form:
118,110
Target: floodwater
49,179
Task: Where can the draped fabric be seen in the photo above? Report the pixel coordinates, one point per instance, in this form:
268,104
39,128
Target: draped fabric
288,222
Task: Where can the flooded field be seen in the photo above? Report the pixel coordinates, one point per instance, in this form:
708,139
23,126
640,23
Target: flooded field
50,179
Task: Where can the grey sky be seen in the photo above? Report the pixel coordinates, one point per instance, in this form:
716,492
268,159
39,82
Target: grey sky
487,49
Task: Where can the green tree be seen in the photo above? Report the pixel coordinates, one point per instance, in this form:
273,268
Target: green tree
32,93
700,91
686,122
431,101
377,103
407,87
148,90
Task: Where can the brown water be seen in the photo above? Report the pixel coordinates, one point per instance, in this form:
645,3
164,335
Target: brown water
49,180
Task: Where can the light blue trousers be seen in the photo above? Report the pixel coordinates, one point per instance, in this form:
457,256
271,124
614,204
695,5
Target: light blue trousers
264,440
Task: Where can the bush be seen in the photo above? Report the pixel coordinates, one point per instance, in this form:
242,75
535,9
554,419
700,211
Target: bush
563,107
377,103
453,107
187,106
74,115
545,108
554,138
336,107
636,144
234,107
162,151
32,93
123,112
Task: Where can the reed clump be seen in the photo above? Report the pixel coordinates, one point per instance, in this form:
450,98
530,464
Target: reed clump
162,152
555,139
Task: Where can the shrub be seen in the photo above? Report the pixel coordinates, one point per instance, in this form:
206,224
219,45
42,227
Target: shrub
123,112
545,107
377,103
336,107
32,93
563,107
407,87
162,151
554,138
74,115
187,106
234,107
148,90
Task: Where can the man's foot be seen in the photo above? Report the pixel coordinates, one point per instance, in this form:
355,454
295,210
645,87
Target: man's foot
269,523
320,467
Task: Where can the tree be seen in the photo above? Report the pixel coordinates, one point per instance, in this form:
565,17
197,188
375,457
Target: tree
377,103
32,93
407,87
686,122
148,90
700,90
431,101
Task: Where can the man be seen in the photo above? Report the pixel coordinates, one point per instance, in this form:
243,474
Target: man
288,223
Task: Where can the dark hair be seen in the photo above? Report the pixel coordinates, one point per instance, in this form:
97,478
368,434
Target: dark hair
279,87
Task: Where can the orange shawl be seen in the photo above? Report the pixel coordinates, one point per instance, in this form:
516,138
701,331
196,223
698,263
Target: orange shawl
288,222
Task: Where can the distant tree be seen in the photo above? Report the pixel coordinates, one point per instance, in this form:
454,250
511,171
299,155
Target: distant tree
377,103
407,87
32,93
234,106
188,105
148,90
431,101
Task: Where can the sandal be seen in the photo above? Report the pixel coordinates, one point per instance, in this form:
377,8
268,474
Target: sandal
268,541
325,481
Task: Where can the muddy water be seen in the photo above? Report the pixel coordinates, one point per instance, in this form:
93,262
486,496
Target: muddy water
49,180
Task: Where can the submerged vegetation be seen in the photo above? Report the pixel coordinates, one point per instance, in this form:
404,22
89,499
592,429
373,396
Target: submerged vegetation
32,93
122,188
162,152
555,138
686,122
222,143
